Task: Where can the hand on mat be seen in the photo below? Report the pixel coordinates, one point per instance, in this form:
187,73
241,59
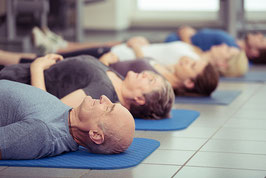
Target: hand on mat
137,41
47,61
109,58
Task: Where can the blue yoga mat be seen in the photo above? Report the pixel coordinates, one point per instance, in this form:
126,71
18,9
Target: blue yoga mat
180,119
137,152
251,76
219,97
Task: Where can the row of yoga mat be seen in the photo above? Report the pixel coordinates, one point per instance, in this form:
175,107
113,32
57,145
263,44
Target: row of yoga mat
140,147
135,154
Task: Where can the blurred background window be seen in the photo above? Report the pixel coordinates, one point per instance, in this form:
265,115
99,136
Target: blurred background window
178,5
255,5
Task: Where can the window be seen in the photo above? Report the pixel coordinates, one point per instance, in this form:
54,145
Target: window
175,12
178,5
255,10
255,5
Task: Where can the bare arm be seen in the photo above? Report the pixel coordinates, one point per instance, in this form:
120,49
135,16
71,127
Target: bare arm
136,43
74,99
37,69
185,33
108,58
138,51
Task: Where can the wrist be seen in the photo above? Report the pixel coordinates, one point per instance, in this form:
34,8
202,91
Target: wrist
36,67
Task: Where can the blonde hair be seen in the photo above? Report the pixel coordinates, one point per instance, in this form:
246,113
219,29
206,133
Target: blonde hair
237,66
158,103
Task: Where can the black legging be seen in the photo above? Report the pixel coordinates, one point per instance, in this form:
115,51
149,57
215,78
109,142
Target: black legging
95,52
1,67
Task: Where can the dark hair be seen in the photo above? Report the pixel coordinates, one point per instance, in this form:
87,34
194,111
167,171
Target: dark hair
261,59
204,84
158,103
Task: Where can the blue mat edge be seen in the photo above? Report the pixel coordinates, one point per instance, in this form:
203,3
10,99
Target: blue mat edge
190,101
197,114
156,142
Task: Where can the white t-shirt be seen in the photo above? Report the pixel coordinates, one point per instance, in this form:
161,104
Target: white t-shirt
163,53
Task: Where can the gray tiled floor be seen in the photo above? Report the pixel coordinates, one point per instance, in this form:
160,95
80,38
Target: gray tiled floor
224,142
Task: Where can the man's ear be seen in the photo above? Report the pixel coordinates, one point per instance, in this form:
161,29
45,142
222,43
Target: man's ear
96,136
189,83
139,100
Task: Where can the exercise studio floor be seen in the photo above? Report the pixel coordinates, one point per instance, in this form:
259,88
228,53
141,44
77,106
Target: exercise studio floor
224,142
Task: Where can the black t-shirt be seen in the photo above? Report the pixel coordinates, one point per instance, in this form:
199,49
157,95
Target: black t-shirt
137,66
80,72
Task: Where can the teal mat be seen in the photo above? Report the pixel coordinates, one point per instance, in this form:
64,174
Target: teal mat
136,153
180,119
251,76
219,97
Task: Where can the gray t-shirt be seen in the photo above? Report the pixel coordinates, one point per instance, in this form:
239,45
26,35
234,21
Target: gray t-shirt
80,72
33,123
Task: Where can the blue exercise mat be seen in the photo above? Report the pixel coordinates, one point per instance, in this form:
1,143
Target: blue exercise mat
136,153
219,97
180,119
251,76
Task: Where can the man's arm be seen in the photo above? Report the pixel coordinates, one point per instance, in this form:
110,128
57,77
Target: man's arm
37,69
74,99
0,155
25,139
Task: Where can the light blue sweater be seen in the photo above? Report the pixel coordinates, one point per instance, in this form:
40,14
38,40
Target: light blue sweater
33,123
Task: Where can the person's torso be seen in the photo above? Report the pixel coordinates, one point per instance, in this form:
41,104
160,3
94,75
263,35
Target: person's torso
81,72
137,66
169,53
163,53
206,38
24,103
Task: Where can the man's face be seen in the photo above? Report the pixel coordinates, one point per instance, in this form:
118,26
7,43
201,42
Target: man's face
187,68
222,53
95,111
255,42
141,83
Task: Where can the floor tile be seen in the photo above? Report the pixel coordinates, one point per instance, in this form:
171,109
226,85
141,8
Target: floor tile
235,146
210,122
251,113
195,132
190,132
174,143
172,157
42,172
201,172
229,160
2,168
246,123
241,134
210,111
246,117
142,170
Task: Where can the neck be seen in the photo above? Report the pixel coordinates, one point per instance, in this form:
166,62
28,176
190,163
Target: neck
169,74
117,83
208,57
73,123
